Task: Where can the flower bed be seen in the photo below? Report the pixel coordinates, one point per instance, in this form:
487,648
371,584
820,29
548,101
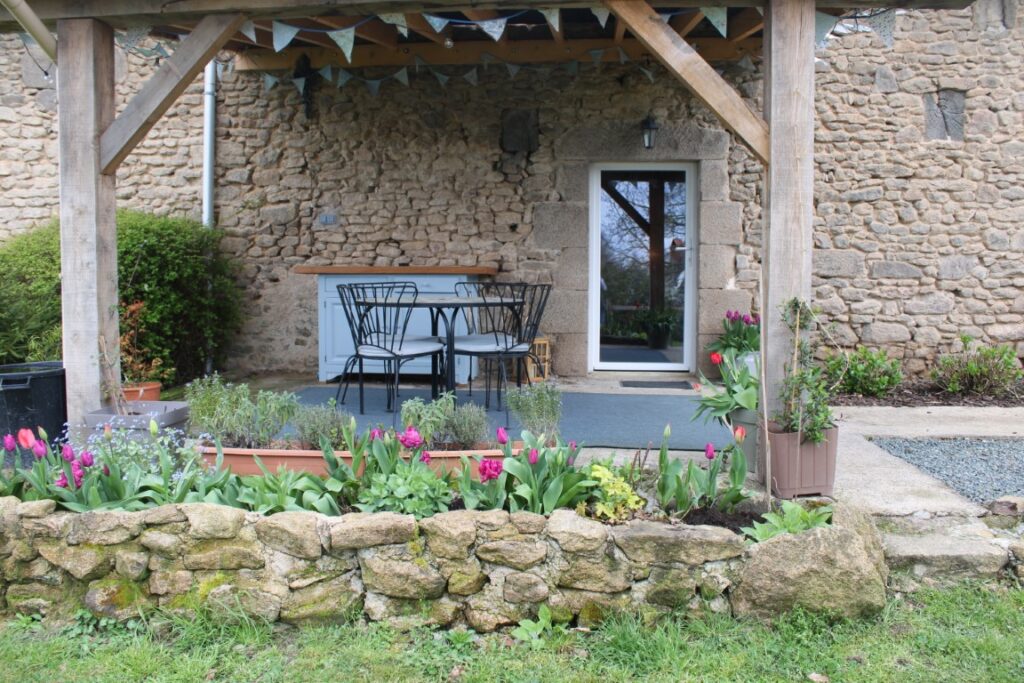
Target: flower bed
485,569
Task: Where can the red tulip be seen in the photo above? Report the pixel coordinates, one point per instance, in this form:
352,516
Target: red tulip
716,358
740,434
26,439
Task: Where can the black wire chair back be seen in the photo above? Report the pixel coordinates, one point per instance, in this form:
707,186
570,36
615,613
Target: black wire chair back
380,314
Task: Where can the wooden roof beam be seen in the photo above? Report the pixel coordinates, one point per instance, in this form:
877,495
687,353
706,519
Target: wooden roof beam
162,89
745,24
685,23
696,74
556,33
620,32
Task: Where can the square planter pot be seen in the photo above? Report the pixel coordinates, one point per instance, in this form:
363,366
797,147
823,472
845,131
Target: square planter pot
754,446
168,414
802,469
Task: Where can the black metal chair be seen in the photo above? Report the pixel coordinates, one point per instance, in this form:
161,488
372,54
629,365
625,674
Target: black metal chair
378,314
503,329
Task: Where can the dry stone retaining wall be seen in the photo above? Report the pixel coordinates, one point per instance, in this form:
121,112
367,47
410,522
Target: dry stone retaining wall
919,206
484,569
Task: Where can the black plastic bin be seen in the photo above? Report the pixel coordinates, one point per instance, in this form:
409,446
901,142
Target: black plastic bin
32,395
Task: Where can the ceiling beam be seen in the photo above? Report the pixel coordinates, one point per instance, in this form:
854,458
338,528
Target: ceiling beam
695,73
472,52
613,192
684,23
620,32
745,24
163,87
556,33
134,12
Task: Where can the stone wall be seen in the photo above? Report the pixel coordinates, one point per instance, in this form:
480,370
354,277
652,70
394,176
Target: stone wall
918,240
483,569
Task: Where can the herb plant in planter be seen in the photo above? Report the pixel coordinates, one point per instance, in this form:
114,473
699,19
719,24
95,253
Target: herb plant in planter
538,407
803,435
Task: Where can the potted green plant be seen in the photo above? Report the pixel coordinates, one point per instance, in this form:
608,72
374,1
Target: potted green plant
538,407
741,332
734,402
658,323
142,372
803,436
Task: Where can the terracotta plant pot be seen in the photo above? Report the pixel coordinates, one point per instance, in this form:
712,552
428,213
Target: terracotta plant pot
241,462
144,391
753,446
802,469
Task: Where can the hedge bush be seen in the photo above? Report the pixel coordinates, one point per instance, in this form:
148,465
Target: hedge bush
172,265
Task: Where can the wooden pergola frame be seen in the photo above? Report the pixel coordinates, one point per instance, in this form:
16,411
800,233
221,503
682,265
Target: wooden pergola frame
93,142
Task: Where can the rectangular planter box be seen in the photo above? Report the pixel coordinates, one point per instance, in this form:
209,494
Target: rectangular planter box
167,414
240,460
803,469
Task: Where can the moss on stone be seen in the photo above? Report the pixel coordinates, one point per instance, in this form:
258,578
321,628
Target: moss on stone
121,593
560,614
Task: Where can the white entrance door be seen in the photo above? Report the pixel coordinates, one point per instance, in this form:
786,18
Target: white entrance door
643,238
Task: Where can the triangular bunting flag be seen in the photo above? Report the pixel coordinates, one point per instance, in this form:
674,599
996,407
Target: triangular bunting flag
343,77
719,18
269,81
648,73
471,76
160,50
883,24
300,84
402,76
554,18
602,15
283,34
513,69
495,28
328,73
441,78
665,16
374,86
418,62
823,25
623,57
436,23
248,29
397,20
346,39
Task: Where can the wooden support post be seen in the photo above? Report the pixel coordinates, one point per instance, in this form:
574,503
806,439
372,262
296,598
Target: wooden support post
88,234
656,194
789,185
683,62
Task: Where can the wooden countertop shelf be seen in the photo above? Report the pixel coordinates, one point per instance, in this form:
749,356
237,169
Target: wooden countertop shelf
396,270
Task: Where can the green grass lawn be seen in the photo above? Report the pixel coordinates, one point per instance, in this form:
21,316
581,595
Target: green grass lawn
971,633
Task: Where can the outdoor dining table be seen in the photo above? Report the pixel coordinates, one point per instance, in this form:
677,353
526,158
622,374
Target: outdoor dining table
446,307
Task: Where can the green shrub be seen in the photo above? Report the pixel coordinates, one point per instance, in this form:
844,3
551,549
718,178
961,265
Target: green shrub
864,372
793,519
173,265
229,413
538,407
410,489
322,420
429,417
978,369
467,426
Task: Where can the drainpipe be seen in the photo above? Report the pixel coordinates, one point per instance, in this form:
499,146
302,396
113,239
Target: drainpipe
28,19
209,148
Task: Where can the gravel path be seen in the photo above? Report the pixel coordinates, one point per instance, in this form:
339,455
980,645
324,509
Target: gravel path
979,469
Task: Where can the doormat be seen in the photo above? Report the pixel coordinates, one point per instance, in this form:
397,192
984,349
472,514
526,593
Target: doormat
655,384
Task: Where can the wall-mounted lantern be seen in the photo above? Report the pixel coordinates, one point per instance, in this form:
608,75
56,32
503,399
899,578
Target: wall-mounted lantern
649,127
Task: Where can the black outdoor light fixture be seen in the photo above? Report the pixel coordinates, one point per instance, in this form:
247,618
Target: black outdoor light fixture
649,127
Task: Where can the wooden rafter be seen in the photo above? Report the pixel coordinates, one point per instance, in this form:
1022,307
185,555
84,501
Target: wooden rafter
745,24
620,32
627,206
475,52
695,73
556,33
163,87
685,23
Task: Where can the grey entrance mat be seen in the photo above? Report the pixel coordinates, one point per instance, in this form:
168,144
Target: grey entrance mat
601,420
655,384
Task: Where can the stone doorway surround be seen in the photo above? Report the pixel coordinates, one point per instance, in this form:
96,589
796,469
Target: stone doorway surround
561,228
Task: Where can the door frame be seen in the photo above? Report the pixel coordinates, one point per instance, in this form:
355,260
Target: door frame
594,271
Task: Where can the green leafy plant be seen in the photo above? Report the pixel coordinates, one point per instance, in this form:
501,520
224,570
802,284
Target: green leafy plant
739,389
288,490
805,392
230,413
741,332
680,489
429,417
535,634
313,423
793,519
466,427
657,320
614,499
979,369
543,479
170,264
411,488
490,491
863,372
538,407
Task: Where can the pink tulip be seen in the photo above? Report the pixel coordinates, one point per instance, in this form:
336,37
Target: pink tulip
740,434
9,443
39,450
425,457
87,459
62,481
67,452
709,452
106,471
490,469
572,445
26,439
410,438
502,436
533,456
376,434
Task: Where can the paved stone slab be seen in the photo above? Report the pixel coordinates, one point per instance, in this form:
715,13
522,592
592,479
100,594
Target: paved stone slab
941,556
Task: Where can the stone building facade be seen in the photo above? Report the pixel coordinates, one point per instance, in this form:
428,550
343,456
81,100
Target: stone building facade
919,228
